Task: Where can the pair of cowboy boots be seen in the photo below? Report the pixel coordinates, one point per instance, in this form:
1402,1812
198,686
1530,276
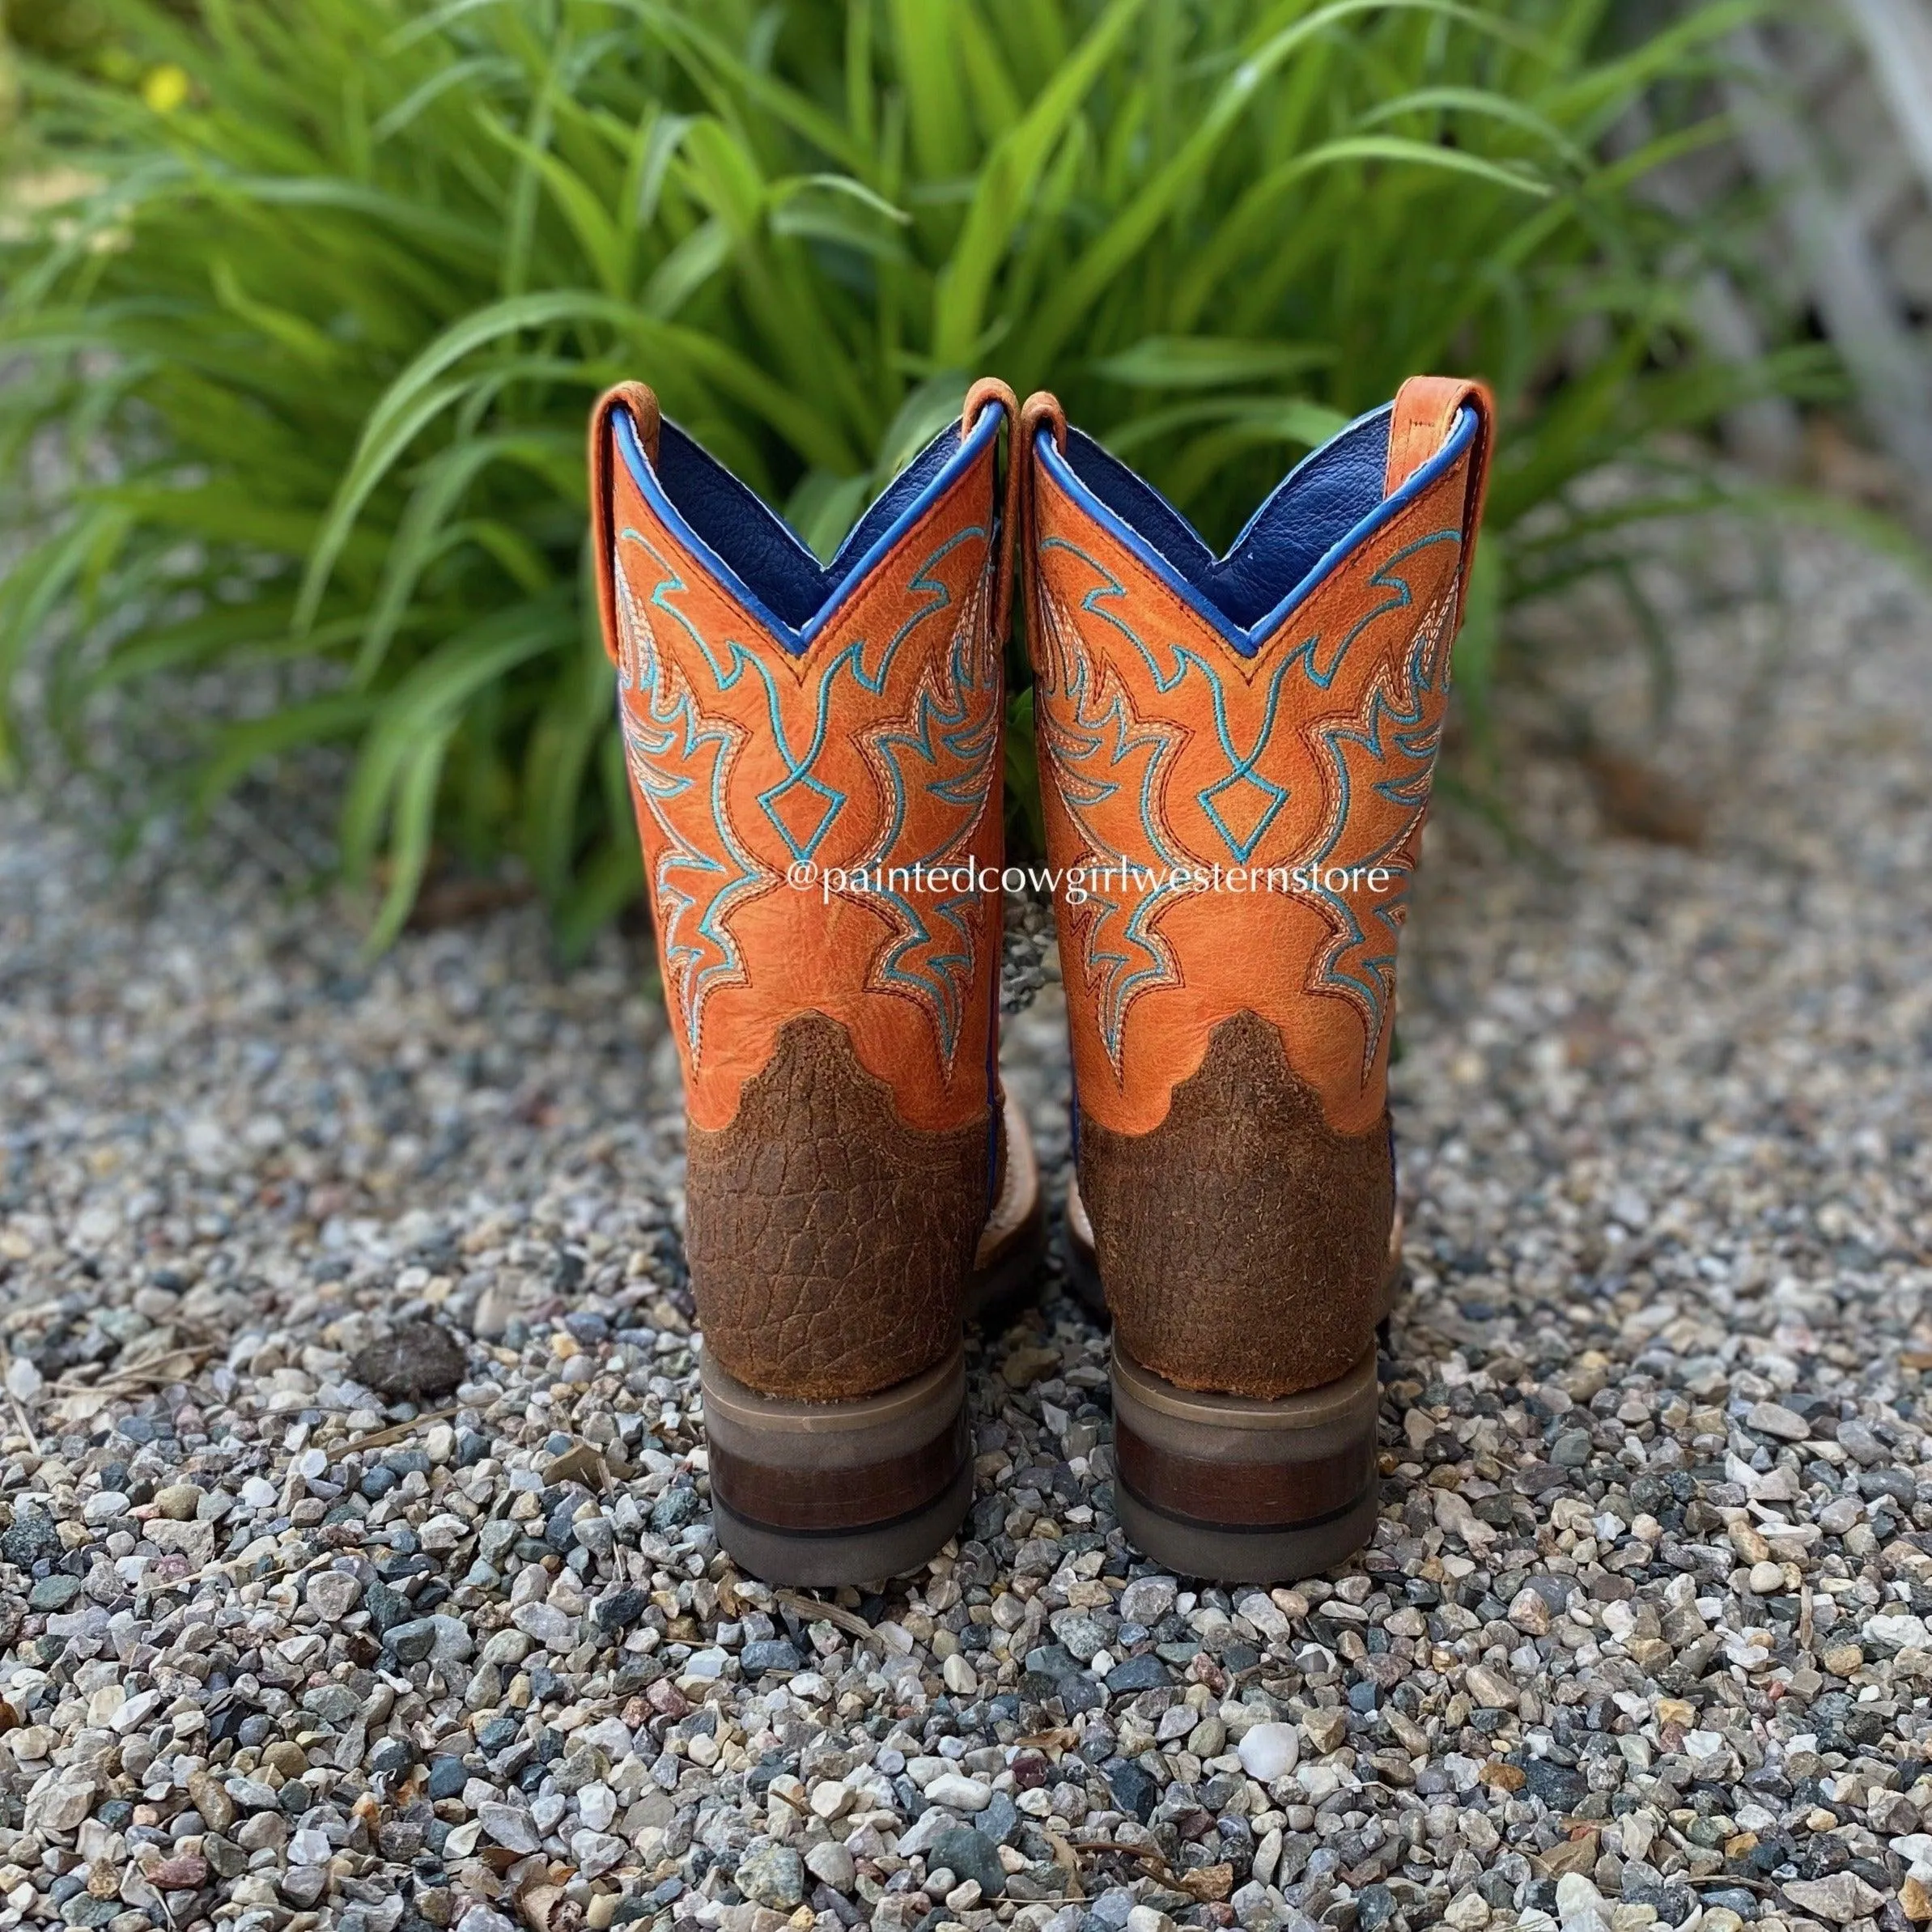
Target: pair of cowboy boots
1235,756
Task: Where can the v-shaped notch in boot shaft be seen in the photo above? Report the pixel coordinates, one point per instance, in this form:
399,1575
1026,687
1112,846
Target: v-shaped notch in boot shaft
755,553
1327,506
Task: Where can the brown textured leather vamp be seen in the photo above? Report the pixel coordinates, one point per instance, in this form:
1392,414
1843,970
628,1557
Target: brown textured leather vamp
829,1242
1243,1241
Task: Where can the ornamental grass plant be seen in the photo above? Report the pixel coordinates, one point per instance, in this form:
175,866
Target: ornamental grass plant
303,303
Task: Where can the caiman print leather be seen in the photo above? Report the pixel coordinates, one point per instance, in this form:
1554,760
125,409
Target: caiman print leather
1236,756
1243,1201
834,1239
784,723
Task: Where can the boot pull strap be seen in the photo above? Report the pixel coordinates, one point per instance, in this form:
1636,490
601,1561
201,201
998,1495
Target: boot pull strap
1041,411
988,390
1426,408
647,418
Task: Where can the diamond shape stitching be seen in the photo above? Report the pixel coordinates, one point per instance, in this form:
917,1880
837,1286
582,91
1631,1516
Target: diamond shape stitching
802,828
1273,798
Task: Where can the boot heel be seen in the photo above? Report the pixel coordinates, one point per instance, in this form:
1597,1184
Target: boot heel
814,1494
1243,1490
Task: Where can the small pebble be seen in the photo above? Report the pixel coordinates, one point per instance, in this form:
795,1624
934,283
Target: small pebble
417,1360
1268,1751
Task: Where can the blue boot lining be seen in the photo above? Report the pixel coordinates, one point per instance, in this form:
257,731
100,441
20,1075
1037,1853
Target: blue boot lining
1326,505
757,553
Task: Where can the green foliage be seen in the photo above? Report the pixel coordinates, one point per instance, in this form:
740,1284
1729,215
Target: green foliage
318,292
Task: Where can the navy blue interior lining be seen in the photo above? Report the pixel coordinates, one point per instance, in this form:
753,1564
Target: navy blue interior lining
761,547
1321,500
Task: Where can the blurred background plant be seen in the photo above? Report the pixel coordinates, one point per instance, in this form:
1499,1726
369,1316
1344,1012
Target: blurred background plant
305,302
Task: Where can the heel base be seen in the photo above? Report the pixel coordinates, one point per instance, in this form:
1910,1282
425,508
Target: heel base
824,1560
817,1493
1245,1555
1246,1491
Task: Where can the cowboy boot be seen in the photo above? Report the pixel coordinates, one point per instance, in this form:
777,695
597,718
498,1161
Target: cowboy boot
1235,757
815,758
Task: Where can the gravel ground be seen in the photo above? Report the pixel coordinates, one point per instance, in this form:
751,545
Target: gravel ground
311,1617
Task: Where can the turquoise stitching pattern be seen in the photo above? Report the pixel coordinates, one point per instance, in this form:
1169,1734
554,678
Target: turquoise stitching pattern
667,759
1124,951
1093,745
962,706
1391,734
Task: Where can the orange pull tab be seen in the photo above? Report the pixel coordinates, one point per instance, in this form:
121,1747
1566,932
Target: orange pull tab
645,416
1426,408
1042,410
988,390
